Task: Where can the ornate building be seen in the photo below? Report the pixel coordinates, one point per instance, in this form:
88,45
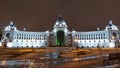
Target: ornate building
60,36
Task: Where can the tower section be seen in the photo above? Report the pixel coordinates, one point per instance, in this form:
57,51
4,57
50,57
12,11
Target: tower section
7,34
60,32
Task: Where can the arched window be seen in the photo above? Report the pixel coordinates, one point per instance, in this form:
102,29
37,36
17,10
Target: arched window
114,35
7,35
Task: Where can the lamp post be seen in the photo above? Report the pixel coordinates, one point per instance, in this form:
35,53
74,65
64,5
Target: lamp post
76,43
116,46
76,47
115,42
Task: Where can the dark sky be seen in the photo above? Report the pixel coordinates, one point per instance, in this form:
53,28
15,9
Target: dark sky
40,15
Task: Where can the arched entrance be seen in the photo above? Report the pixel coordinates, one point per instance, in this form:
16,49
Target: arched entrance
60,39
114,35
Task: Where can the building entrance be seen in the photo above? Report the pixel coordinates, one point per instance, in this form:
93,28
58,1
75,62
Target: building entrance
60,39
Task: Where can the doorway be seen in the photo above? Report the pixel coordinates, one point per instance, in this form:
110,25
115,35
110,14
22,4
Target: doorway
60,39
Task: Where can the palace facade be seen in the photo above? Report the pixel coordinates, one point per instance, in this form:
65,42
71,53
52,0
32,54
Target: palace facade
60,36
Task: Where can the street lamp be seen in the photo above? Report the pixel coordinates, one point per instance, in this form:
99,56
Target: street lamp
76,47
115,42
76,42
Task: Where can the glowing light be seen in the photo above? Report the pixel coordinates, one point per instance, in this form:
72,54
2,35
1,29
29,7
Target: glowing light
9,44
60,25
113,37
76,40
111,45
57,23
33,39
63,23
0,44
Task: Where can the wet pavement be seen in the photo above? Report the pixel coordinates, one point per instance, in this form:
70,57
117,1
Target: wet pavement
51,59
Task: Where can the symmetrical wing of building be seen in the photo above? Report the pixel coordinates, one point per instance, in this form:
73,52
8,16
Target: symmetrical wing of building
60,36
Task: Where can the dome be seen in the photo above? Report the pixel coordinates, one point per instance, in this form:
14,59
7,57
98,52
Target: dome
60,23
111,26
10,26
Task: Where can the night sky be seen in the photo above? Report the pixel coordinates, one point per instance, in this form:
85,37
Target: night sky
40,15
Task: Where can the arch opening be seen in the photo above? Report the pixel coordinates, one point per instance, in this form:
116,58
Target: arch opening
60,39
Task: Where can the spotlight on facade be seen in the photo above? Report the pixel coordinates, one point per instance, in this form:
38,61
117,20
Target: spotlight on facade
60,36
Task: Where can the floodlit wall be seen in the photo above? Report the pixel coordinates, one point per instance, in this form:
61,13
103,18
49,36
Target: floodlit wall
12,37
93,39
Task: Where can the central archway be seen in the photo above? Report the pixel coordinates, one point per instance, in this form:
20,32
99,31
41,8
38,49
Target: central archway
60,39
